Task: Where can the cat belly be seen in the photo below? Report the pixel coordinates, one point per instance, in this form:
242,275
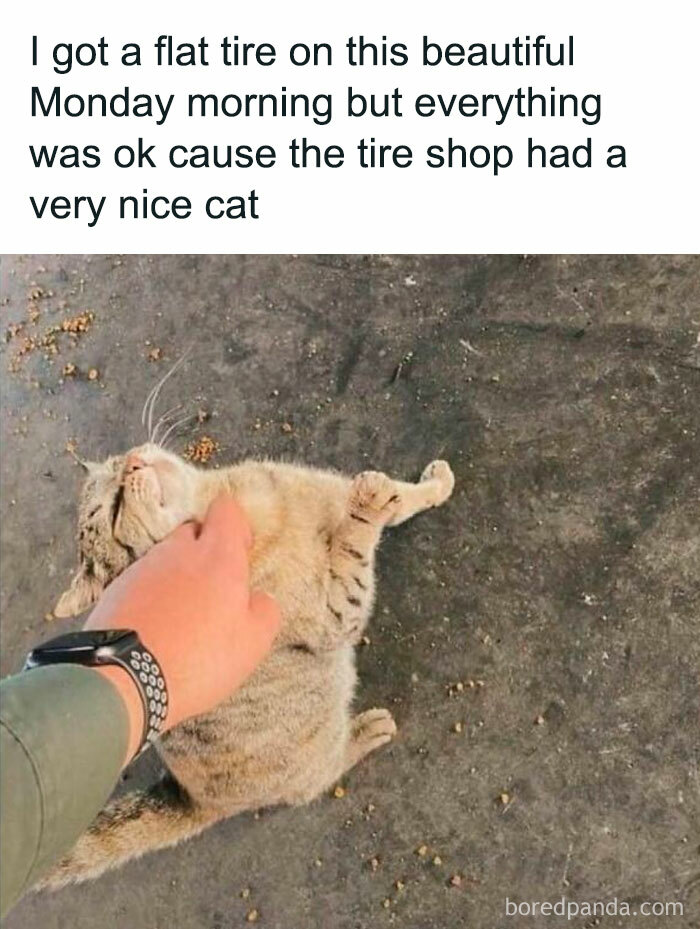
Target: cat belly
281,738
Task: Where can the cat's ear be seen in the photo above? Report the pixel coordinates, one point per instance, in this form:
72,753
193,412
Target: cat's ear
91,467
83,592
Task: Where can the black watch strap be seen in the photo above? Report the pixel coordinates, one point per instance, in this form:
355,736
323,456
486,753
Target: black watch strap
121,647
148,677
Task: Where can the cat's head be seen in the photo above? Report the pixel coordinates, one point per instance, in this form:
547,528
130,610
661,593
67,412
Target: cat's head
127,504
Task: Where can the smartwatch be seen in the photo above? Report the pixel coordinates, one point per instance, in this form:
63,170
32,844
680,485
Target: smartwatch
121,647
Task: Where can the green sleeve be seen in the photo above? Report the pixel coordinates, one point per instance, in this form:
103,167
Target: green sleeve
63,737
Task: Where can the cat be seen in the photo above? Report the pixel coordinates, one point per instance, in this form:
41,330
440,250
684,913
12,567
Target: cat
288,733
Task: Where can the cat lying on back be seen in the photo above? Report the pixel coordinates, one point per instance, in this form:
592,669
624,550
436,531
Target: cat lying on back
288,733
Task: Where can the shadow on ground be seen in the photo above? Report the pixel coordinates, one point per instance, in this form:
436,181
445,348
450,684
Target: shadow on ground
563,579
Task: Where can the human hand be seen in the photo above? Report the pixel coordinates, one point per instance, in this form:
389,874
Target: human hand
189,601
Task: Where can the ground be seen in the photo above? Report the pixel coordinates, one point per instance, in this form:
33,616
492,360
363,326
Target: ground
560,585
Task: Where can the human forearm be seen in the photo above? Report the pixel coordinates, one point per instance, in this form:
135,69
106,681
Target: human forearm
65,736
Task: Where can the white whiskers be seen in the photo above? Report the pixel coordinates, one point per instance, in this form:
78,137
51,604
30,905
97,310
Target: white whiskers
152,398
164,420
173,426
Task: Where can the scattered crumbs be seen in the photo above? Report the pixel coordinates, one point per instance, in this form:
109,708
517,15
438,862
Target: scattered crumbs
460,686
437,861
456,880
374,864
47,342
93,374
253,916
245,893
201,450
539,720
203,415
399,885
287,427
371,808
72,446
339,792
504,798
155,354
410,281
386,903
69,369
79,323
13,330
422,851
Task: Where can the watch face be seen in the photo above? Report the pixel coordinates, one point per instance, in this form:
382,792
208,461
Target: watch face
77,644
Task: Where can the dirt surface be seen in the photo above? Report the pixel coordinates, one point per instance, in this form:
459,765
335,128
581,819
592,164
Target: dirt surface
560,586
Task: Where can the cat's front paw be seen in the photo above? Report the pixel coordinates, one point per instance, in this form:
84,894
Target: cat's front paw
441,474
374,498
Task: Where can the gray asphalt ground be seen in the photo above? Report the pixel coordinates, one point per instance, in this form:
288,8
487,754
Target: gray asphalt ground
563,578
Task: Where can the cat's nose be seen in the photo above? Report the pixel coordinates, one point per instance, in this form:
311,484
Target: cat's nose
133,463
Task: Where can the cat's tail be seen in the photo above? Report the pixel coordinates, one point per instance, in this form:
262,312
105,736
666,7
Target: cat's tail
127,828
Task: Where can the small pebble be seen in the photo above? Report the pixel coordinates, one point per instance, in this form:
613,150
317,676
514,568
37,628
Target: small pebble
339,792
422,851
252,916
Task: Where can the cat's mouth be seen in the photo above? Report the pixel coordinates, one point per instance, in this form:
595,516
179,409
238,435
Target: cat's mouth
137,508
143,486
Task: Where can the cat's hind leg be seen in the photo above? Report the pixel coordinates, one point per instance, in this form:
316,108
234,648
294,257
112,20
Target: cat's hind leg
375,501
368,730
372,502
433,489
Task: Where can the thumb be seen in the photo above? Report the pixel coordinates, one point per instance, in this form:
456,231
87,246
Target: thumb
265,620
226,528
